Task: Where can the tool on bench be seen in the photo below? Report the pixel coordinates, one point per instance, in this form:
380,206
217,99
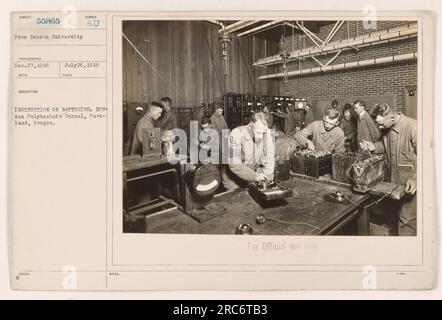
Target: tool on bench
244,228
269,190
337,197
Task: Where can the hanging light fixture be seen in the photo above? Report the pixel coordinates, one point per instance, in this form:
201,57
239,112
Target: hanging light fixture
225,46
284,56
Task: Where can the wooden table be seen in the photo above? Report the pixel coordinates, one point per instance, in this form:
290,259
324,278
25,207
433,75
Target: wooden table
305,213
138,168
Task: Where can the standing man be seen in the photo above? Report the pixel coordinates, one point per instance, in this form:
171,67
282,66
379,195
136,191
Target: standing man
217,119
309,118
335,105
153,113
289,119
252,154
399,142
325,135
219,124
169,120
269,115
349,128
367,130
207,140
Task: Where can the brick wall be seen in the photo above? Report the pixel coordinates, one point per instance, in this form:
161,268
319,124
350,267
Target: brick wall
373,80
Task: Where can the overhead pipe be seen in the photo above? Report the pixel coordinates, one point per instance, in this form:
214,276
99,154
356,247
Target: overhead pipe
362,41
382,36
385,41
343,66
219,24
370,44
292,25
231,26
271,23
268,28
236,26
341,50
367,39
242,26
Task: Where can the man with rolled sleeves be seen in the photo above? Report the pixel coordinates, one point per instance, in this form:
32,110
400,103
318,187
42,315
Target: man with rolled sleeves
399,143
252,154
323,135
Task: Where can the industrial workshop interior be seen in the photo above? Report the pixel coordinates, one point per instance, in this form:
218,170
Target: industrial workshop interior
253,127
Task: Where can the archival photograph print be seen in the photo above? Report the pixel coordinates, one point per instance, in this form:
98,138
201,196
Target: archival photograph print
261,127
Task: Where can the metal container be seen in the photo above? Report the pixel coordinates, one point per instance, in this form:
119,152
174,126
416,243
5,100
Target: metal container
244,228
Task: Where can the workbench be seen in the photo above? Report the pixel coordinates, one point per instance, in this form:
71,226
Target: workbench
136,168
310,213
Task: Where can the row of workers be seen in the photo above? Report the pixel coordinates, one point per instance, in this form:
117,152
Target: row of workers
395,136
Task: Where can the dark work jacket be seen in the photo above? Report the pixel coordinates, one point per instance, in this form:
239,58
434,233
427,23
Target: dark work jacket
367,129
